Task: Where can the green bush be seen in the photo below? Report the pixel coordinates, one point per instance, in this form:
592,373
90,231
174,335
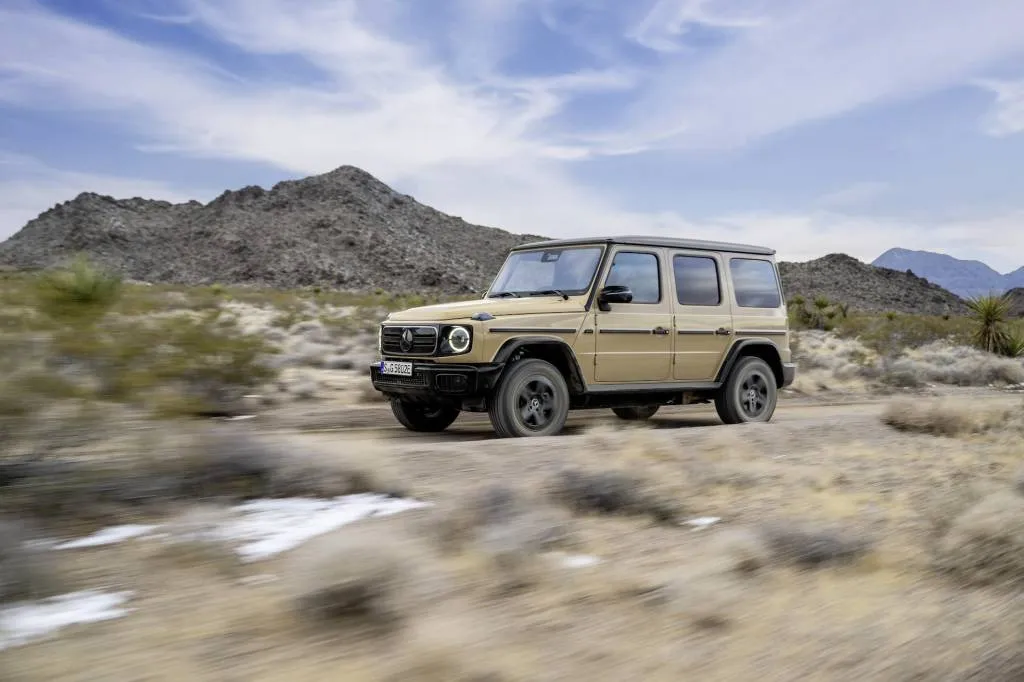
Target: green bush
81,292
823,313
891,333
188,360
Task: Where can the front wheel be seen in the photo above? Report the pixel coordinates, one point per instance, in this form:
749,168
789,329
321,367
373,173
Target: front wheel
423,418
531,400
636,413
749,394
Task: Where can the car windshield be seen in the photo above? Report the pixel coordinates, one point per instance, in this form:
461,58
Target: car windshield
567,271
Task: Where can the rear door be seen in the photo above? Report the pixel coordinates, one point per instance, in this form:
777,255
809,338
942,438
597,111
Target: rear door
703,314
634,340
759,310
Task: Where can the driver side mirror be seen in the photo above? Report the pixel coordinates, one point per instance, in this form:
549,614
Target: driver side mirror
616,293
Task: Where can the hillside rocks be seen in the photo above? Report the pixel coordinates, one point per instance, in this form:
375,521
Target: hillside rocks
347,230
867,288
343,229
1016,297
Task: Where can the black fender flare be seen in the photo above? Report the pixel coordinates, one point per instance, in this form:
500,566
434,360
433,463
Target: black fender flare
737,350
508,353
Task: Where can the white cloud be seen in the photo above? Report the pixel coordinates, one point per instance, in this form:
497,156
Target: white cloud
464,135
28,187
1007,115
819,59
668,20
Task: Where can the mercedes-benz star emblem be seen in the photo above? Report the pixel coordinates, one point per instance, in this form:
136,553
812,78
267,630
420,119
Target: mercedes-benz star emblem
406,342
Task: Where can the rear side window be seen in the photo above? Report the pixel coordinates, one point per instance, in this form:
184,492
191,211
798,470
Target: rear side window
755,283
696,280
638,271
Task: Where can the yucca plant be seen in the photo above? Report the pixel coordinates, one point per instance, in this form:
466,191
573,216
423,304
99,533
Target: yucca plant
989,314
79,292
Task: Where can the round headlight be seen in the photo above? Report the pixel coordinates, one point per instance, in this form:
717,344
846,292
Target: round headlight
458,339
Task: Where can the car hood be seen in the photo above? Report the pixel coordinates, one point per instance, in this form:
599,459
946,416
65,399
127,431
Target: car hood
498,307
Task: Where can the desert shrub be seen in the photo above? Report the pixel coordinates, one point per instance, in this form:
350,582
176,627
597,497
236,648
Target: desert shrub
821,314
497,521
1013,345
160,468
79,293
985,545
946,417
361,575
177,364
609,492
25,571
893,333
938,362
812,545
942,363
440,649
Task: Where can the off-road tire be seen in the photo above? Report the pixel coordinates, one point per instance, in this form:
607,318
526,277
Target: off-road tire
529,383
423,418
641,413
751,378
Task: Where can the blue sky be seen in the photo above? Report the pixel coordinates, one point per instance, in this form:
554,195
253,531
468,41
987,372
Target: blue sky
814,126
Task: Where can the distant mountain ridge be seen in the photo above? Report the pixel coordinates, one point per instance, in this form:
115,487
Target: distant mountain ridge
345,229
965,278
867,288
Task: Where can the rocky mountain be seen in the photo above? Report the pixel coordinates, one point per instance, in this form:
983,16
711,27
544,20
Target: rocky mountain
965,278
1016,302
343,229
868,288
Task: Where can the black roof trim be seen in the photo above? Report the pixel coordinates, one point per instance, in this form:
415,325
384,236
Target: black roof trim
668,242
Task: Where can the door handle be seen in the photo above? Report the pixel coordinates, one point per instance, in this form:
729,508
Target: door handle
722,331
660,330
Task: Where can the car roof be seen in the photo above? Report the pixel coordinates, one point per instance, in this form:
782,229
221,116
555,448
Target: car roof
669,242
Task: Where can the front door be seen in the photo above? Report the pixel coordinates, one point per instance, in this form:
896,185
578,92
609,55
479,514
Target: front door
634,340
703,319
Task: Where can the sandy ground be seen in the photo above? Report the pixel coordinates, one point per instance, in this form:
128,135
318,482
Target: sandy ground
658,606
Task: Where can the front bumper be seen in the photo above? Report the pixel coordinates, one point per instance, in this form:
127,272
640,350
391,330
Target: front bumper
438,380
788,374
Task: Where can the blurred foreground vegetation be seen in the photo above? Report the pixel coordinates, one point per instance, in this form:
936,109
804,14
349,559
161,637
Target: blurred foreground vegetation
81,335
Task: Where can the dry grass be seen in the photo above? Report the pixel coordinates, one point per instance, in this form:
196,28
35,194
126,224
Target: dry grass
986,543
948,417
382,600
358,577
25,572
154,469
828,361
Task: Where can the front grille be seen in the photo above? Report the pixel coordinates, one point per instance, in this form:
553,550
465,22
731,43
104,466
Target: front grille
417,380
424,341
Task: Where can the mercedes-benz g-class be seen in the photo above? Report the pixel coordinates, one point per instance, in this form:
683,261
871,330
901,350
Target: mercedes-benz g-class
626,323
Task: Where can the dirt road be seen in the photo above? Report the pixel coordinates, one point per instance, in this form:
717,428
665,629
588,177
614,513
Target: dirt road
377,421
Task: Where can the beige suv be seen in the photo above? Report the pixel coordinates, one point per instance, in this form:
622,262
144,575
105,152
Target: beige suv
628,324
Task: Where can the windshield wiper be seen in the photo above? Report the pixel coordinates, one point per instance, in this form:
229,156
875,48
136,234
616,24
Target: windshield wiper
550,292
504,294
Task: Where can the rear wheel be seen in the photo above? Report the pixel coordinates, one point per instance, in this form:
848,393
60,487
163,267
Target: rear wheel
531,400
749,394
422,417
641,413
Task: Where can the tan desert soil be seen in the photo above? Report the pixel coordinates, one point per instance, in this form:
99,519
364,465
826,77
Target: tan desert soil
658,606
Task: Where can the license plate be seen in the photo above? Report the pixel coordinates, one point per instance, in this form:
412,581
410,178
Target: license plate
402,369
